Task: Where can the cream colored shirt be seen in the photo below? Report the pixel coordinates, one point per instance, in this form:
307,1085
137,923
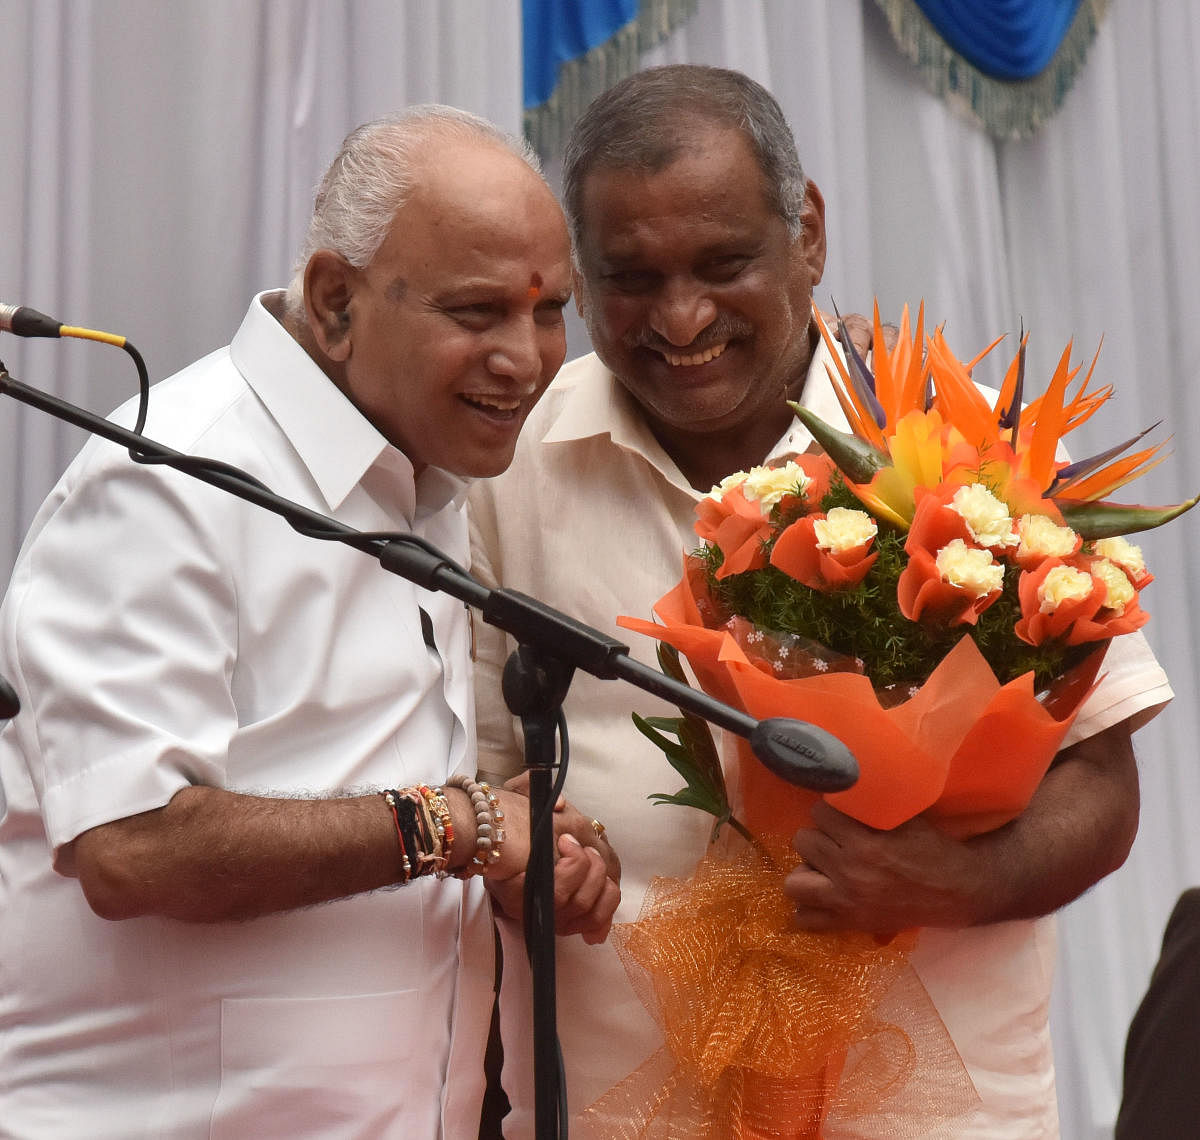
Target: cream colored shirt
593,518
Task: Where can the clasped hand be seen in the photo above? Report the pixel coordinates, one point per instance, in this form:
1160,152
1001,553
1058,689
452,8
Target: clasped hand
587,872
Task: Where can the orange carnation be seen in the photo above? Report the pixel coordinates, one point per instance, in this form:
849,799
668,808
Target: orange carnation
1052,611
798,553
738,527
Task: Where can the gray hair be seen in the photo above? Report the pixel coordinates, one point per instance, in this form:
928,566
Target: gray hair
374,173
644,123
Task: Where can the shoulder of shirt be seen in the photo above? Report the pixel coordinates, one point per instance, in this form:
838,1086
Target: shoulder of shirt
204,409
184,408
575,381
579,384
575,377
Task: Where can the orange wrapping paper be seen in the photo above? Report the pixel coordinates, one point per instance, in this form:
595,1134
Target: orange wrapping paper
964,749
717,951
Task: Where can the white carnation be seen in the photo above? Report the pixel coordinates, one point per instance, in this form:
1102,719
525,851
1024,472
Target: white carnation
969,568
1040,536
1063,584
1119,592
770,484
987,517
1124,553
726,485
844,528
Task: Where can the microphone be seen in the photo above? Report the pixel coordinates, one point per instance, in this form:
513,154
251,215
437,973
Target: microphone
9,705
804,754
20,320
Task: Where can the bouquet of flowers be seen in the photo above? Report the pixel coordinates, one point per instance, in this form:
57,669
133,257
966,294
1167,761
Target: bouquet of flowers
937,589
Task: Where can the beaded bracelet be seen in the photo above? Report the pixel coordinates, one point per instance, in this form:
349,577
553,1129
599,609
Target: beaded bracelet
442,826
422,837
489,825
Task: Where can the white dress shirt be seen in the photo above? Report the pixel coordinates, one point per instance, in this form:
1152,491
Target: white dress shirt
593,518
161,633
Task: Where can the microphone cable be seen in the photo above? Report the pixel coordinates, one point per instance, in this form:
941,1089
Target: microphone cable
21,320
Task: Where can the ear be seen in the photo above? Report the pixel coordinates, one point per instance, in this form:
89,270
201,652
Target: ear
810,246
577,289
329,281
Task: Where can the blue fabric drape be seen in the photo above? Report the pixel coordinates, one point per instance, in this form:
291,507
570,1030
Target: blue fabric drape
575,49
1007,65
1006,39
556,31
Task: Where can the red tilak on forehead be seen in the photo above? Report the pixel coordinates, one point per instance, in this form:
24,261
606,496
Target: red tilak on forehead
535,287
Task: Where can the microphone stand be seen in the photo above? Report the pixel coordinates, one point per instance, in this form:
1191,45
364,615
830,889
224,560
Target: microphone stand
536,679
9,705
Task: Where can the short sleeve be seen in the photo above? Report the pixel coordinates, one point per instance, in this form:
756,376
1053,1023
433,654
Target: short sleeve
120,630
1133,686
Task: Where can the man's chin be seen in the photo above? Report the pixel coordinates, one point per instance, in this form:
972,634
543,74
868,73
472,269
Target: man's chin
484,466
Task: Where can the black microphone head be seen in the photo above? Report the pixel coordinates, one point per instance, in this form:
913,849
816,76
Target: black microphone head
804,755
9,705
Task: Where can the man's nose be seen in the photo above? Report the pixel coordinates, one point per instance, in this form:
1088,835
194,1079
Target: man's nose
681,312
516,353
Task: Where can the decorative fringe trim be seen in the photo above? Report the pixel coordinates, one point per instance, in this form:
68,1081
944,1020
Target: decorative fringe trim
580,80
1006,108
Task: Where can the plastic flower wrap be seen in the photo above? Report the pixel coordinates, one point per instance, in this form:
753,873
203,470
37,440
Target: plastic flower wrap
937,589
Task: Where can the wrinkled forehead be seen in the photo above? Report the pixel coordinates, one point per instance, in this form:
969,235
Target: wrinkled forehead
710,156
706,197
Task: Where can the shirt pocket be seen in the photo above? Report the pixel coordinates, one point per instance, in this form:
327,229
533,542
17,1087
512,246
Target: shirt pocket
330,1067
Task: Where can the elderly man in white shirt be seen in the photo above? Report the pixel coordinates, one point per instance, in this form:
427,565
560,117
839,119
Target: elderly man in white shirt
225,723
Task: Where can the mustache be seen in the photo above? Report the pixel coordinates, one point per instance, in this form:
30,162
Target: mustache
721,330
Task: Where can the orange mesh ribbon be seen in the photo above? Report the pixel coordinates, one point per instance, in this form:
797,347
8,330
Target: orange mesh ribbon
774,1033
771,1032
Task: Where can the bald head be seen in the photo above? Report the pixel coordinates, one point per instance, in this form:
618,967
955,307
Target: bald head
433,291
376,170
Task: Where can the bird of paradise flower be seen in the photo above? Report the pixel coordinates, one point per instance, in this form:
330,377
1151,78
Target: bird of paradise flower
919,420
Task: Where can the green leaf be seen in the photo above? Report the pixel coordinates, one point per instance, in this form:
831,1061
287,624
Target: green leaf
669,663
855,458
694,756
685,797
1106,520
697,775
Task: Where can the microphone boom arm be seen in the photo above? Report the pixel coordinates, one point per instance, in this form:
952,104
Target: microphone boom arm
552,646
802,753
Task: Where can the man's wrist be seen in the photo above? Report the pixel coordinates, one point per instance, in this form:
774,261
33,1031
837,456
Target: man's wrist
488,826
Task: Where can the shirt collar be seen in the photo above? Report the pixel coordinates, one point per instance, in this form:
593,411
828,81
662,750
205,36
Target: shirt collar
820,398
335,441
589,409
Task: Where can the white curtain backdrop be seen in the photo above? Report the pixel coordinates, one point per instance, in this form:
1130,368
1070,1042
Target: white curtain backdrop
158,161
